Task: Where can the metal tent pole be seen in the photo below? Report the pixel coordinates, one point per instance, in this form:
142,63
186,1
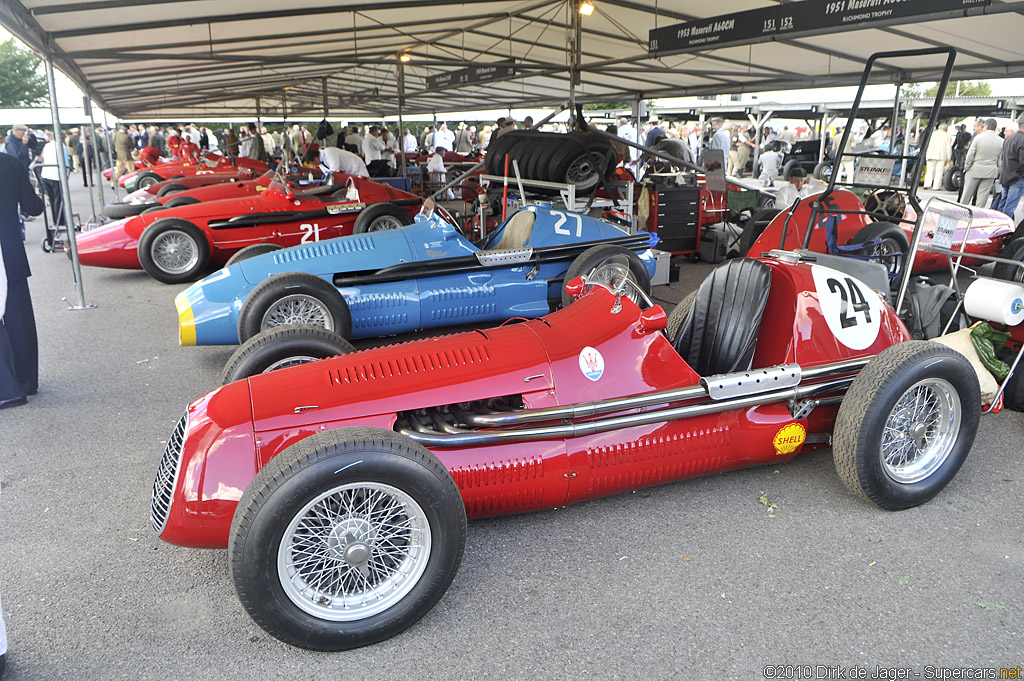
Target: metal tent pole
574,63
400,133
65,190
96,153
110,160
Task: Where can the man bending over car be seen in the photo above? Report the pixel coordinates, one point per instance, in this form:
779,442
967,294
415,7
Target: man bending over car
333,159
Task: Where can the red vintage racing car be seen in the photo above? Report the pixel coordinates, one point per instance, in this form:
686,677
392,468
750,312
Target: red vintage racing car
211,163
165,188
987,232
341,487
176,245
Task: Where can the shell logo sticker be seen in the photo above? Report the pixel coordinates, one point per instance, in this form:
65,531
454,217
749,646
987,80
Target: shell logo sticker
591,363
789,438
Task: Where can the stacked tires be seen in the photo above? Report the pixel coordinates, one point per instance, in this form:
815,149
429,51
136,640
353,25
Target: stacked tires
583,159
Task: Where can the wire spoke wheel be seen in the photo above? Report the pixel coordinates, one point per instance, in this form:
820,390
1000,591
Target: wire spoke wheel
354,551
174,251
581,171
298,308
290,362
888,253
920,432
614,276
384,223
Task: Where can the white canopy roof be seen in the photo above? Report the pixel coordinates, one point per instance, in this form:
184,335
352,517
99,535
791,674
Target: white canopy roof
185,58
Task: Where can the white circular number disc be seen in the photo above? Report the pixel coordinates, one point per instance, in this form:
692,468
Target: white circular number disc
853,311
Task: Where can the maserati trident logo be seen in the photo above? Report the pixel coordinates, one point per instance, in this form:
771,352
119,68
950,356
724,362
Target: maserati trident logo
591,363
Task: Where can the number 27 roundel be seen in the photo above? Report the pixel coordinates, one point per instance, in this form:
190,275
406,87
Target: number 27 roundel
853,311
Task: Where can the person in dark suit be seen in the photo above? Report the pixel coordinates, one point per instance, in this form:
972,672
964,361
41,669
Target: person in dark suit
19,350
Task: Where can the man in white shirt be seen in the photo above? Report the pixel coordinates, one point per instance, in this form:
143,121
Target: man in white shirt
799,187
333,159
409,143
720,139
628,133
372,146
940,147
50,175
444,138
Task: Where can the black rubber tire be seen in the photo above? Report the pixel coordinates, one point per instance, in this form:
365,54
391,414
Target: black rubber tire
754,227
594,256
953,178
273,346
1011,251
678,315
563,153
316,466
153,209
894,240
523,154
46,245
161,227
172,188
374,218
146,178
868,406
176,201
1013,394
272,289
788,168
1017,233
494,162
119,211
251,251
823,171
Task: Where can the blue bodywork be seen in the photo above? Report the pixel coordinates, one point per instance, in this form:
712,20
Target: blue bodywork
208,310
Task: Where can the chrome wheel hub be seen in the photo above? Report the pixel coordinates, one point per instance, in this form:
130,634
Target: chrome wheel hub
354,551
921,430
298,308
174,252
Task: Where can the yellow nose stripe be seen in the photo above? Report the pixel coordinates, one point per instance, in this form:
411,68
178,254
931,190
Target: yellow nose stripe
186,321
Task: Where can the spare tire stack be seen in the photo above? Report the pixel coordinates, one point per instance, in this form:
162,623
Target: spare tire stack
583,159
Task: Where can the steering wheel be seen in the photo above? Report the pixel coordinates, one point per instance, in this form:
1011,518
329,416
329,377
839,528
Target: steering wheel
888,202
429,207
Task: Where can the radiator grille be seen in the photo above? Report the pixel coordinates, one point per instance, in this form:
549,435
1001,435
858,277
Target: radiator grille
167,476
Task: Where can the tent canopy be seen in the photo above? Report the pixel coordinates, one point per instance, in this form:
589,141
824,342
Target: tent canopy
185,58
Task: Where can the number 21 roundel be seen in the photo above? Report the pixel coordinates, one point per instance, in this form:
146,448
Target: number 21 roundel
853,311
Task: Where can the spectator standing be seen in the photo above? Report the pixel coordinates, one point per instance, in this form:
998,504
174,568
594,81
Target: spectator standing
231,143
937,156
528,122
1011,174
123,147
85,156
156,139
354,138
744,145
720,138
654,133
410,145
50,176
444,138
16,144
464,139
628,133
981,167
19,352
961,143
257,150
72,145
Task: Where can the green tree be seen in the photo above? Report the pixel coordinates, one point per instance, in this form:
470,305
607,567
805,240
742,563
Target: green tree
22,82
602,106
968,88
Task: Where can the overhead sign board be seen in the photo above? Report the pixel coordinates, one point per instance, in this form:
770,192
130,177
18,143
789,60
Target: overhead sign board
359,96
481,73
797,18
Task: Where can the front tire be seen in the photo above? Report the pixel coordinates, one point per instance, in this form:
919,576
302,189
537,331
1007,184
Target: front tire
907,424
174,251
147,178
280,348
294,298
176,201
380,217
346,538
1011,251
607,264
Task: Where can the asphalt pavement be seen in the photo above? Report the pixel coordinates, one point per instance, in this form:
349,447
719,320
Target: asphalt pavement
690,580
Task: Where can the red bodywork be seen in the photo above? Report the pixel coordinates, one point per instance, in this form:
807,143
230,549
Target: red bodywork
245,185
116,244
196,181
987,233
234,431
210,164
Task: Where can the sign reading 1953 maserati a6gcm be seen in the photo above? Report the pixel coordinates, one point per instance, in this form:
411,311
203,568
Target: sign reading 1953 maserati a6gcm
341,487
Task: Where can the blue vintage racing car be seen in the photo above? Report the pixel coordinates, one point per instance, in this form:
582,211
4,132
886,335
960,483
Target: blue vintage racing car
423,276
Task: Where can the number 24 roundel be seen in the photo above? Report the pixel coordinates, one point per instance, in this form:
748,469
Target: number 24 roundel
853,311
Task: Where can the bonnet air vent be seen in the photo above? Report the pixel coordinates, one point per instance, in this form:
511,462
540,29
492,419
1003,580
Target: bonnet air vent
323,248
412,363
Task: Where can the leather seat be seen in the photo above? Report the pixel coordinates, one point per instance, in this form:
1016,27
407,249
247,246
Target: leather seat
719,334
517,231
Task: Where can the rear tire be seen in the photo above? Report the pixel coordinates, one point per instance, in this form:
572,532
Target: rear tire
1011,251
380,217
907,424
953,179
119,211
679,314
346,538
755,227
172,188
788,168
180,201
891,251
823,171
294,298
282,347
